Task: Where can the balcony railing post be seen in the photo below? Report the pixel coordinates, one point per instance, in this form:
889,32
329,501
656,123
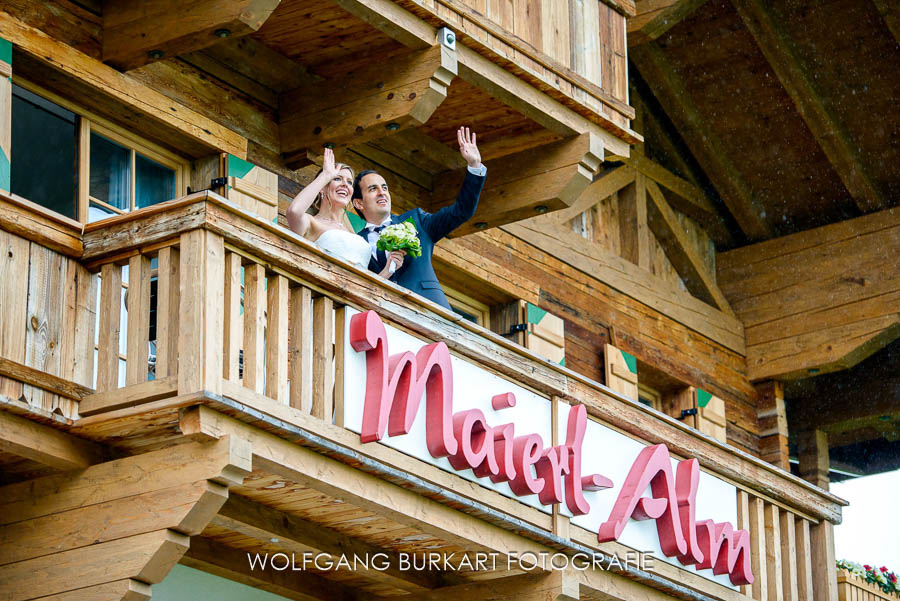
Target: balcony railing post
202,301
168,292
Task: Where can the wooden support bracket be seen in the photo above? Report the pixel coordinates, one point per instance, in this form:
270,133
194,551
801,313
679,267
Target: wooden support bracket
369,103
137,33
532,182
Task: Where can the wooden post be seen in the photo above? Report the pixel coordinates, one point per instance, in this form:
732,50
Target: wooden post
5,113
804,561
824,573
812,448
773,552
201,311
789,557
634,233
772,419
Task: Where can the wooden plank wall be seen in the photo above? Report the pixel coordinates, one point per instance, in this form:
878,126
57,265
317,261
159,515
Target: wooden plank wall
587,36
47,319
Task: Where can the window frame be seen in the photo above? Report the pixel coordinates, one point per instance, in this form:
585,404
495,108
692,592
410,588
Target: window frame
88,122
463,302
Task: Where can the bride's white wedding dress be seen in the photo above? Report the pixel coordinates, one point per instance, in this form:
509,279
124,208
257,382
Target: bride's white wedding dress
345,245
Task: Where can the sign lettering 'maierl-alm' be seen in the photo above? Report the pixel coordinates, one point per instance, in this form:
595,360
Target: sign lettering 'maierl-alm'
396,384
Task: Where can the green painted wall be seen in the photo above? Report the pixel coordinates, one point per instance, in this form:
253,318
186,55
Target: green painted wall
187,584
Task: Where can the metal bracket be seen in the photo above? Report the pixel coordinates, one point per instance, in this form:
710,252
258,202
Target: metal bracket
447,37
518,327
687,412
218,182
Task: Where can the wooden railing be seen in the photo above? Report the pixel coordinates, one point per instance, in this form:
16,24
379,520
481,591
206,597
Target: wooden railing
853,588
247,310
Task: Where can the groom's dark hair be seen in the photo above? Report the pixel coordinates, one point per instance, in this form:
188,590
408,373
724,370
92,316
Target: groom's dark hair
357,190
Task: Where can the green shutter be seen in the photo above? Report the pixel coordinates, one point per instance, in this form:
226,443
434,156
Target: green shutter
703,398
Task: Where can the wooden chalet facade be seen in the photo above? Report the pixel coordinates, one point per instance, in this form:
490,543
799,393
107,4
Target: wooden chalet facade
181,376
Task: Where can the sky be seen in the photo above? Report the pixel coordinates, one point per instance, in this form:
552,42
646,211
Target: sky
870,531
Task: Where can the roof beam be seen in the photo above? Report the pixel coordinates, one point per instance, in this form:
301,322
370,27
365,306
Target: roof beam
821,118
385,99
139,32
528,183
690,266
299,535
650,24
890,12
706,146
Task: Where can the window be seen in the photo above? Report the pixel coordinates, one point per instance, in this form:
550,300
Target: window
468,308
83,166
650,397
44,144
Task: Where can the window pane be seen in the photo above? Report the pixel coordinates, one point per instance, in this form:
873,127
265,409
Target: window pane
110,172
42,165
96,213
155,183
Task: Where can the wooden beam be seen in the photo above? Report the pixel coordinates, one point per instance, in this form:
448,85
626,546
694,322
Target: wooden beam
298,535
41,379
685,197
653,20
531,182
367,491
773,424
228,562
46,445
633,281
137,33
634,235
681,252
796,76
710,151
106,82
817,301
812,450
890,12
480,71
366,104
603,186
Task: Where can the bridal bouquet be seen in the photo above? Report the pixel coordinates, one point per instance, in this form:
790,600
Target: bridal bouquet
400,236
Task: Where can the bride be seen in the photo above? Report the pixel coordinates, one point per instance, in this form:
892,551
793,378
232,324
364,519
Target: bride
330,193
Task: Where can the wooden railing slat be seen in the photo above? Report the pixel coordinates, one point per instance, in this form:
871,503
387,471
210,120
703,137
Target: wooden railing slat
323,337
773,552
254,326
168,291
760,587
110,306
300,348
232,315
789,557
277,338
138,309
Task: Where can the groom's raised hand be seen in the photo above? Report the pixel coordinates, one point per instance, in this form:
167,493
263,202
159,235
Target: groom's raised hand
468,147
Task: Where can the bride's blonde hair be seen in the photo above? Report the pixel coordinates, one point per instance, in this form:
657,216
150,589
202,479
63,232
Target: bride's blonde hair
317,203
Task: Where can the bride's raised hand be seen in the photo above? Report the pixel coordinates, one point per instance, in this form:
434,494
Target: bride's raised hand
329,170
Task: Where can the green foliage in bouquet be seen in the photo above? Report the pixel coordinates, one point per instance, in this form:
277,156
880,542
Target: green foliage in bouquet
886,580
401,236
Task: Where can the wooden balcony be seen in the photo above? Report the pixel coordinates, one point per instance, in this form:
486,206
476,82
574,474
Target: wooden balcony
853,588
258,368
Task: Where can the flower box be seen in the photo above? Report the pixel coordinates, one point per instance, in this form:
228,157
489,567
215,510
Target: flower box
853,588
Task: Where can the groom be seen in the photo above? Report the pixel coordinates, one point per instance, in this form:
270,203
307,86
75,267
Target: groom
372,201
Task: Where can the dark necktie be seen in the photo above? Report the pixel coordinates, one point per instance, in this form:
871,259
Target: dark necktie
380,255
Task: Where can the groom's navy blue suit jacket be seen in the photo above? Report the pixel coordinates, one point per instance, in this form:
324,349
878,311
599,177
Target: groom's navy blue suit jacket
418,274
